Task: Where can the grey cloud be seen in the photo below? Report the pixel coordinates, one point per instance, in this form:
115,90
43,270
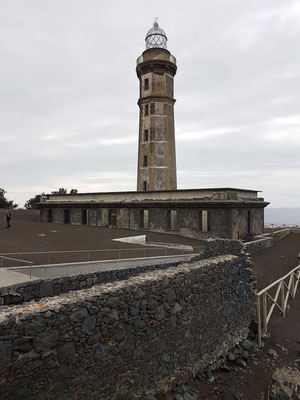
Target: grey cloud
68,112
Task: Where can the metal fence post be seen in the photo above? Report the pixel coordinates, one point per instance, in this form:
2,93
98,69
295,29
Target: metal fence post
282,297
264,310
293,286
258,320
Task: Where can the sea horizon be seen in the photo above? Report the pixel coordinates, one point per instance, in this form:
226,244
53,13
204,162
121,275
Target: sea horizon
282,215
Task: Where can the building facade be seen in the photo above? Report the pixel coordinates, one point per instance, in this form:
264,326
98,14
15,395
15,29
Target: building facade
198,213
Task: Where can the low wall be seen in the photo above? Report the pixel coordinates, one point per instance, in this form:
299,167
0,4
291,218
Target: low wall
54,286
125,339
276,235
266,240
257,245
216,247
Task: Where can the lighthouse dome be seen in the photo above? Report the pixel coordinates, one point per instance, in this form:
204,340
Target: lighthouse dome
156,37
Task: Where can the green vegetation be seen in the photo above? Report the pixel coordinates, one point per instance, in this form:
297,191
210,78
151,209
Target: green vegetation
31,203
4,202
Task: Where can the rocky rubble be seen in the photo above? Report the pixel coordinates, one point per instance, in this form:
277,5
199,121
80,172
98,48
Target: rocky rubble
285,384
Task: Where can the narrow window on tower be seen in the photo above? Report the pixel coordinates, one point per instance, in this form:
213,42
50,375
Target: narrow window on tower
147,109
145,186
146,84
146,137
145,161
152,108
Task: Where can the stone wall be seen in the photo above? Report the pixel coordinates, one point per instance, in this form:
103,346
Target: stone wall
128,338
217,247
35,290
239,222
257,245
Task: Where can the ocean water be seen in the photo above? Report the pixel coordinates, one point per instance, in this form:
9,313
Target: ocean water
282,216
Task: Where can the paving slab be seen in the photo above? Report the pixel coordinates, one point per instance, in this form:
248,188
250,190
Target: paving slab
9,277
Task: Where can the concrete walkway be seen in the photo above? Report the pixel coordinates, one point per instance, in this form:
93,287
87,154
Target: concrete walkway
9,277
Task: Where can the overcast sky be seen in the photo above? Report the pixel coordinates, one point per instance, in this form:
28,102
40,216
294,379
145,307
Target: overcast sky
69,91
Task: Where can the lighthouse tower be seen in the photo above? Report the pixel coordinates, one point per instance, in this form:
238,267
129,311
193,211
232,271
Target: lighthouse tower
156,69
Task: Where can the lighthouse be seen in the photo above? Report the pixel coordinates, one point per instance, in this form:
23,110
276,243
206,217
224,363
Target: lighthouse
156,69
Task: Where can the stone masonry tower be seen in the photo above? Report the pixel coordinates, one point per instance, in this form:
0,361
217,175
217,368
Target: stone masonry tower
156,69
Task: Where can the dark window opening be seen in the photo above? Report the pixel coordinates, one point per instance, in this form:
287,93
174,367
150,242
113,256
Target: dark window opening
112,218
84,217
66,216
147,109
144,219
146,136
141,218
152,108
50,216
146,84
144,186
249,221
145,161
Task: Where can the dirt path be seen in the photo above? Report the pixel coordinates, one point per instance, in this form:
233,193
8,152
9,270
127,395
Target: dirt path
271,264
29,235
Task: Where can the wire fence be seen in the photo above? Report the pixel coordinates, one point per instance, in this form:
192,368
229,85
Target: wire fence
8,260
281,226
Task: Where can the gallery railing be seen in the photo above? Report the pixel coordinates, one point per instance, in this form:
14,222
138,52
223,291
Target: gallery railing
275,295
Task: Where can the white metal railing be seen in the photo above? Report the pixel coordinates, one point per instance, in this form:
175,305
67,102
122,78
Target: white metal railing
283,289
30,263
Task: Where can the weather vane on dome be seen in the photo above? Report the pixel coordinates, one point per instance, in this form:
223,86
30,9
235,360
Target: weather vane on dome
156,37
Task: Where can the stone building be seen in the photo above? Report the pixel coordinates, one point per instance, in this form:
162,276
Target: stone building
157,205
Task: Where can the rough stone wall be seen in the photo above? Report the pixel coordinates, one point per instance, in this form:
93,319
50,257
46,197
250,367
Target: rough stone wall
216,247
36,290
93,216
58,215
129,338
76,216
239,222
278,235
257,215
43,215
257,245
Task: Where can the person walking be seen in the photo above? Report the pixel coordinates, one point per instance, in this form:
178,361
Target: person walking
8,218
